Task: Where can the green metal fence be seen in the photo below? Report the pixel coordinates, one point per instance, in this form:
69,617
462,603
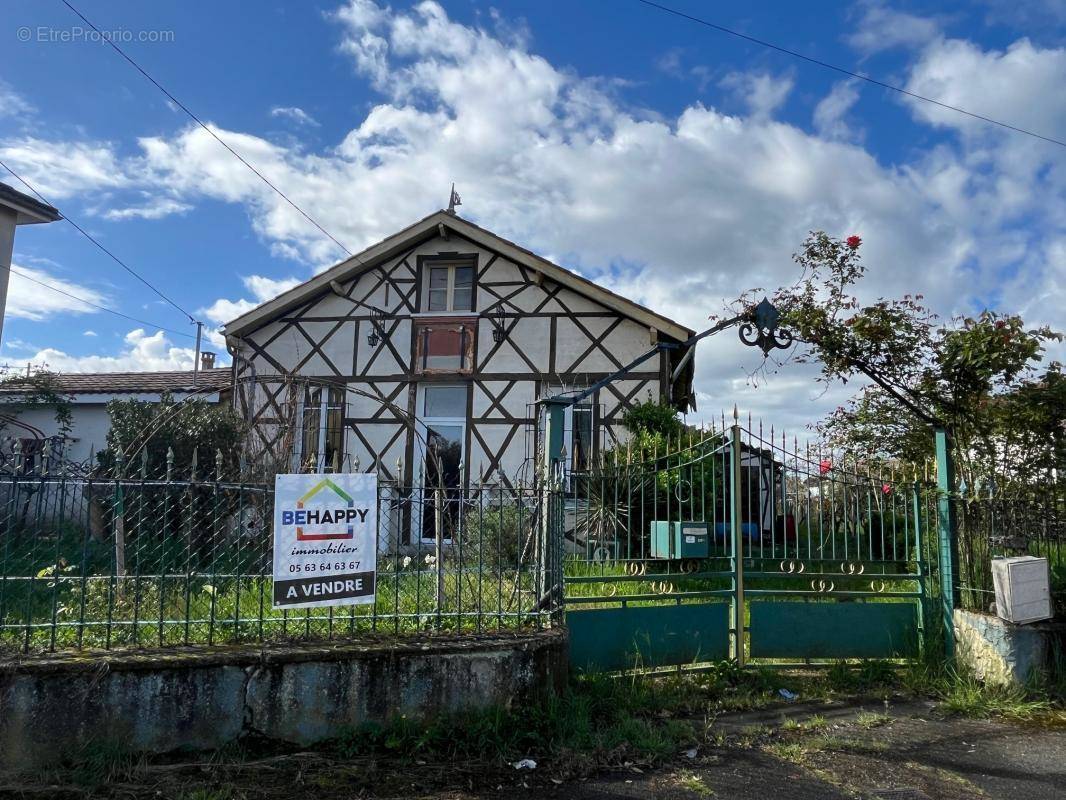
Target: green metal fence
1008,521
183,556
739,543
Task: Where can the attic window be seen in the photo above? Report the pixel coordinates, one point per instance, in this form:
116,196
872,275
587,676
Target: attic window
451,287
444,346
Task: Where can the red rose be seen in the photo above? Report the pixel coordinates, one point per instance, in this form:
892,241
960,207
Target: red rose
1000,324
824,466
854,242
886,489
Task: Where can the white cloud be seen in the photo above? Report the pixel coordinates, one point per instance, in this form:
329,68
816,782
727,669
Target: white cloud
29,300
262,289
1022,85
141,352
831,112
89,333
12,104
62,169
882,28
294,114
701,206
761,92
156,208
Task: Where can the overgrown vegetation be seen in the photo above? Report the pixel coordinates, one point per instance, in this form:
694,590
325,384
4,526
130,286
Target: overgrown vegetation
144,432
974,375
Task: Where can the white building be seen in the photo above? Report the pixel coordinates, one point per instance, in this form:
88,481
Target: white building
88,393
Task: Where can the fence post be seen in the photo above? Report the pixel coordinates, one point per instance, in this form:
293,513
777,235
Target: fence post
438,548
948,544
119,511
738,538
919,559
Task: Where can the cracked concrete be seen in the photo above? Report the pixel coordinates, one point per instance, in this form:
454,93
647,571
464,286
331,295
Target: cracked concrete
53,707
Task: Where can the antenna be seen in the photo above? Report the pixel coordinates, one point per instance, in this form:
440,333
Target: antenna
454,200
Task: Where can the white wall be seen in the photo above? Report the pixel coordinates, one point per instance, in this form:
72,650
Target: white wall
90,426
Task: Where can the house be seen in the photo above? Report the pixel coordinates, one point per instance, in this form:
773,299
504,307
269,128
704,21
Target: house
29,419
440,340
16,208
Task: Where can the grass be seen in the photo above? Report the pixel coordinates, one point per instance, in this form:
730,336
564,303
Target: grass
691,782
51,583
869,720
605,720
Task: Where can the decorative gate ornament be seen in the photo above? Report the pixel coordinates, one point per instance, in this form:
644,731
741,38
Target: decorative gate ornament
794,567
761,330
848,568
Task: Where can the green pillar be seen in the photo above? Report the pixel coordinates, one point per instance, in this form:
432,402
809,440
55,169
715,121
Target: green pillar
948,543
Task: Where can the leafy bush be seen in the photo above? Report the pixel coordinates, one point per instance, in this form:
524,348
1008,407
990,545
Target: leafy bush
185,427
653,417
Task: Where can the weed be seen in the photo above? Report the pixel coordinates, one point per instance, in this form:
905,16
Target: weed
844,744
965,694
864,677
788,751
870,720
692,782
223,793
628,718
103,761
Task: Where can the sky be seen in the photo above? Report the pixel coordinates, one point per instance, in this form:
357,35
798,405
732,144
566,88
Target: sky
668,161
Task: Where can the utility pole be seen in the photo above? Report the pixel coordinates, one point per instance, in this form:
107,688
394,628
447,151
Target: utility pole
196,361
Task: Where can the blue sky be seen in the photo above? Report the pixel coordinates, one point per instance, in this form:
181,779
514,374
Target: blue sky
674,163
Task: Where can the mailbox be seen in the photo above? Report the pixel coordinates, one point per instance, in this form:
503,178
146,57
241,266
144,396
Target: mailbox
679,539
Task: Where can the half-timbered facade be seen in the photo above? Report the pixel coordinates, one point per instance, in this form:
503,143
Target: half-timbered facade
444,336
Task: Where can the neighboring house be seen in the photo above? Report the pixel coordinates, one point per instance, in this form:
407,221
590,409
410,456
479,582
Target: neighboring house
16,209
88,394
442,338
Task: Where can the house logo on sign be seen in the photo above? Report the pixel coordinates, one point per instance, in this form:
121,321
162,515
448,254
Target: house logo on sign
325,512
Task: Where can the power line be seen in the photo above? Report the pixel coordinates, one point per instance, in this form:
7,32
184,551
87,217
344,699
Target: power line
198,121
843,71
95,305
92,239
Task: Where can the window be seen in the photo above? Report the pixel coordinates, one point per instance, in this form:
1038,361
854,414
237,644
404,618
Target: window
443,428
320,443
451,287
580,436
444,346
445,401
579,431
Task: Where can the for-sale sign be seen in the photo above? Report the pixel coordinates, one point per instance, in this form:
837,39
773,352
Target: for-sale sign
325,539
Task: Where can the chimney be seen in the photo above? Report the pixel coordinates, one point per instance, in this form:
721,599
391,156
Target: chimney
207,360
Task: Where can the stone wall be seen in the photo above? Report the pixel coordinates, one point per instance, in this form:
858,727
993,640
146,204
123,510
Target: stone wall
52,708
1002,652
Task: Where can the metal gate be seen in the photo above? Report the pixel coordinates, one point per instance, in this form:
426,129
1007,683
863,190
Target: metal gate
729,544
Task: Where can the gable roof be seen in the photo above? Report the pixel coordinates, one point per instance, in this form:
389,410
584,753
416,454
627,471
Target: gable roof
28,210
76,383
426,229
